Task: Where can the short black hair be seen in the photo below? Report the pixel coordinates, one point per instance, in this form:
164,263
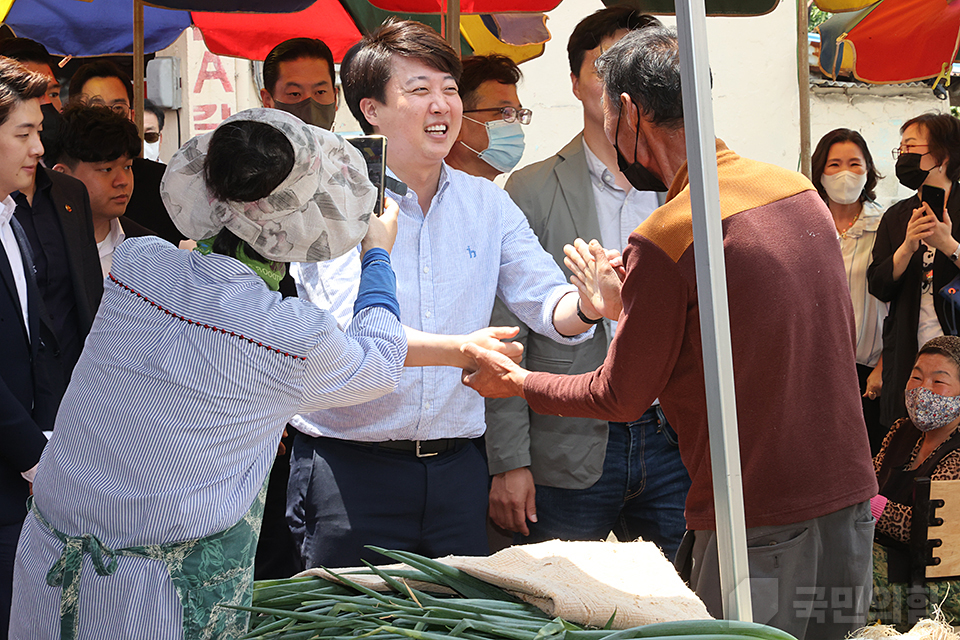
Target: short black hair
818,161
591,31
645,64
480,69
295,49
149,105
99,69
943,136
369,68
246,161
27,50
95,134
17,85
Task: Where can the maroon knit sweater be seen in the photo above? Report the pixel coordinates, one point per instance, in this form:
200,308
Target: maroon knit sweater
803,443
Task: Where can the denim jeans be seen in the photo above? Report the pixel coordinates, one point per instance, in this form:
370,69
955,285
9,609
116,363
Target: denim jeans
640,493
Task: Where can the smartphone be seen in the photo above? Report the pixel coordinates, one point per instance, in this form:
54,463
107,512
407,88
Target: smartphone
374,152
933,196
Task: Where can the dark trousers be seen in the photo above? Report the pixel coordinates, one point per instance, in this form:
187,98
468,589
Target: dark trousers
343,496
640,494
277,556
9,535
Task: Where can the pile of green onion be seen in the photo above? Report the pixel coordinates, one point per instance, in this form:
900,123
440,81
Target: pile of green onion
312,607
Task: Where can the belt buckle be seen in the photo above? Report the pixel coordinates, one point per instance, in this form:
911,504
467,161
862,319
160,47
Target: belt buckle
424,455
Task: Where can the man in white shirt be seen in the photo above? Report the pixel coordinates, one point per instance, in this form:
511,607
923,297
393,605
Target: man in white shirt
405,472
28,392
97,147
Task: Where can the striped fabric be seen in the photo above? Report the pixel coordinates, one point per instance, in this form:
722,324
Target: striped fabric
172,419
857,248
474,244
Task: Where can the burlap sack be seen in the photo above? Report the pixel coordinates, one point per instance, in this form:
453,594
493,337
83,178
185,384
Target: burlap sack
584,582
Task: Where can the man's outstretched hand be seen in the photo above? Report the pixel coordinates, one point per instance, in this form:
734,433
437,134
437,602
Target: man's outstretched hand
497,376
597,275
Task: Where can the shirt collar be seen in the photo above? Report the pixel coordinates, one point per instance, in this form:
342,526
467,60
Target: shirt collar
7,207
441,188
599,173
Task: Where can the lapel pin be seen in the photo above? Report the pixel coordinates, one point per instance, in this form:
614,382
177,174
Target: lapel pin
67,207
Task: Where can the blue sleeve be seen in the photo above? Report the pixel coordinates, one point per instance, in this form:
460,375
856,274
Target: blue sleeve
378,283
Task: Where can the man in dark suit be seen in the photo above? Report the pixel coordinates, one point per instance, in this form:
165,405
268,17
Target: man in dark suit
30,388
97,147
105,84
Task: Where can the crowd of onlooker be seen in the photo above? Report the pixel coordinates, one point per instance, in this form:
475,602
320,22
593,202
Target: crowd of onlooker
306,365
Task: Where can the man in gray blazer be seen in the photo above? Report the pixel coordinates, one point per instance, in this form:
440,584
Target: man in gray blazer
577,478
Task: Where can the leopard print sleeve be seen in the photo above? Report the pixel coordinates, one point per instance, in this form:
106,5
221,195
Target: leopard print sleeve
895,521
948,468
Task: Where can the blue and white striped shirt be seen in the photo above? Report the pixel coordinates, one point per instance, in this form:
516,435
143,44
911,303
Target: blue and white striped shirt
473,244
172,418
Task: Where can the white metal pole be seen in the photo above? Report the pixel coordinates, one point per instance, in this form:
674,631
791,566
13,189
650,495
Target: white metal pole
714,314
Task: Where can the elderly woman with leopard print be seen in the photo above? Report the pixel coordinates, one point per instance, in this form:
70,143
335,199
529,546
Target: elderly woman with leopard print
926,444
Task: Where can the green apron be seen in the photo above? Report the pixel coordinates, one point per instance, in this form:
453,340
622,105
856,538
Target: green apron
207,572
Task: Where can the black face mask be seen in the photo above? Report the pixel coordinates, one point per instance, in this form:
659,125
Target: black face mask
909,172
50,135
639,177
311,111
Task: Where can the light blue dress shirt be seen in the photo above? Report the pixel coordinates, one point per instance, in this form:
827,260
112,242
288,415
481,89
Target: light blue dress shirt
473,244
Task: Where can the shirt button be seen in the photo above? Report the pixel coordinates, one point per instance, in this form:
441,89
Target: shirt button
428,314
426,405
426,269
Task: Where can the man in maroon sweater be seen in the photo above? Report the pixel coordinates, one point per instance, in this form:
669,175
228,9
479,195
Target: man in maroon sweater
806,465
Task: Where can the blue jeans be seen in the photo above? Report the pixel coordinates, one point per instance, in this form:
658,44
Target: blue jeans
640,493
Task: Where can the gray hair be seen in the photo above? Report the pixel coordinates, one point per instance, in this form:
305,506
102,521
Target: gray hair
645,64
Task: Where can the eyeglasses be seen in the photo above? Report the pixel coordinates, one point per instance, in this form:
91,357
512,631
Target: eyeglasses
119,108
906,148
509,113
151,137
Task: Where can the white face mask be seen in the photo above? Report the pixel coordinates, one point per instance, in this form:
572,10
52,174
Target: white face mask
151,151
844,187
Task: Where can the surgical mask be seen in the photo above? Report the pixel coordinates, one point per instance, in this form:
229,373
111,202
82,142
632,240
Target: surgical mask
909,172
504,144
639,177
151,151
311,111
929,410
844,187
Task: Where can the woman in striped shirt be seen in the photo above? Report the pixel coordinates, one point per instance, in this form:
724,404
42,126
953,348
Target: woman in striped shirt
148,498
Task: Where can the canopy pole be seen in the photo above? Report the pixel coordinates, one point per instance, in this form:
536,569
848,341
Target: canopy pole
138,68
452,24
803,80
714,314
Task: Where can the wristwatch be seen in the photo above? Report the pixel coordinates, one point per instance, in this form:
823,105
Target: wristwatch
583,317
956,254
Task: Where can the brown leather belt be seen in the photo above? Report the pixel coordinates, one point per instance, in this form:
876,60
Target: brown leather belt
420,448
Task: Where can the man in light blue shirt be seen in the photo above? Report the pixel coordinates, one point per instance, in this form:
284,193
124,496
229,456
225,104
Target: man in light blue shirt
404,471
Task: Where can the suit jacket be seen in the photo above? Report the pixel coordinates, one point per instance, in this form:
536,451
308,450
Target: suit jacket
557,198
30,386
72,204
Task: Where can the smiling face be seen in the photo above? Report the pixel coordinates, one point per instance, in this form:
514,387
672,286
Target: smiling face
301,79
937,373
20,147
420,117
845,156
